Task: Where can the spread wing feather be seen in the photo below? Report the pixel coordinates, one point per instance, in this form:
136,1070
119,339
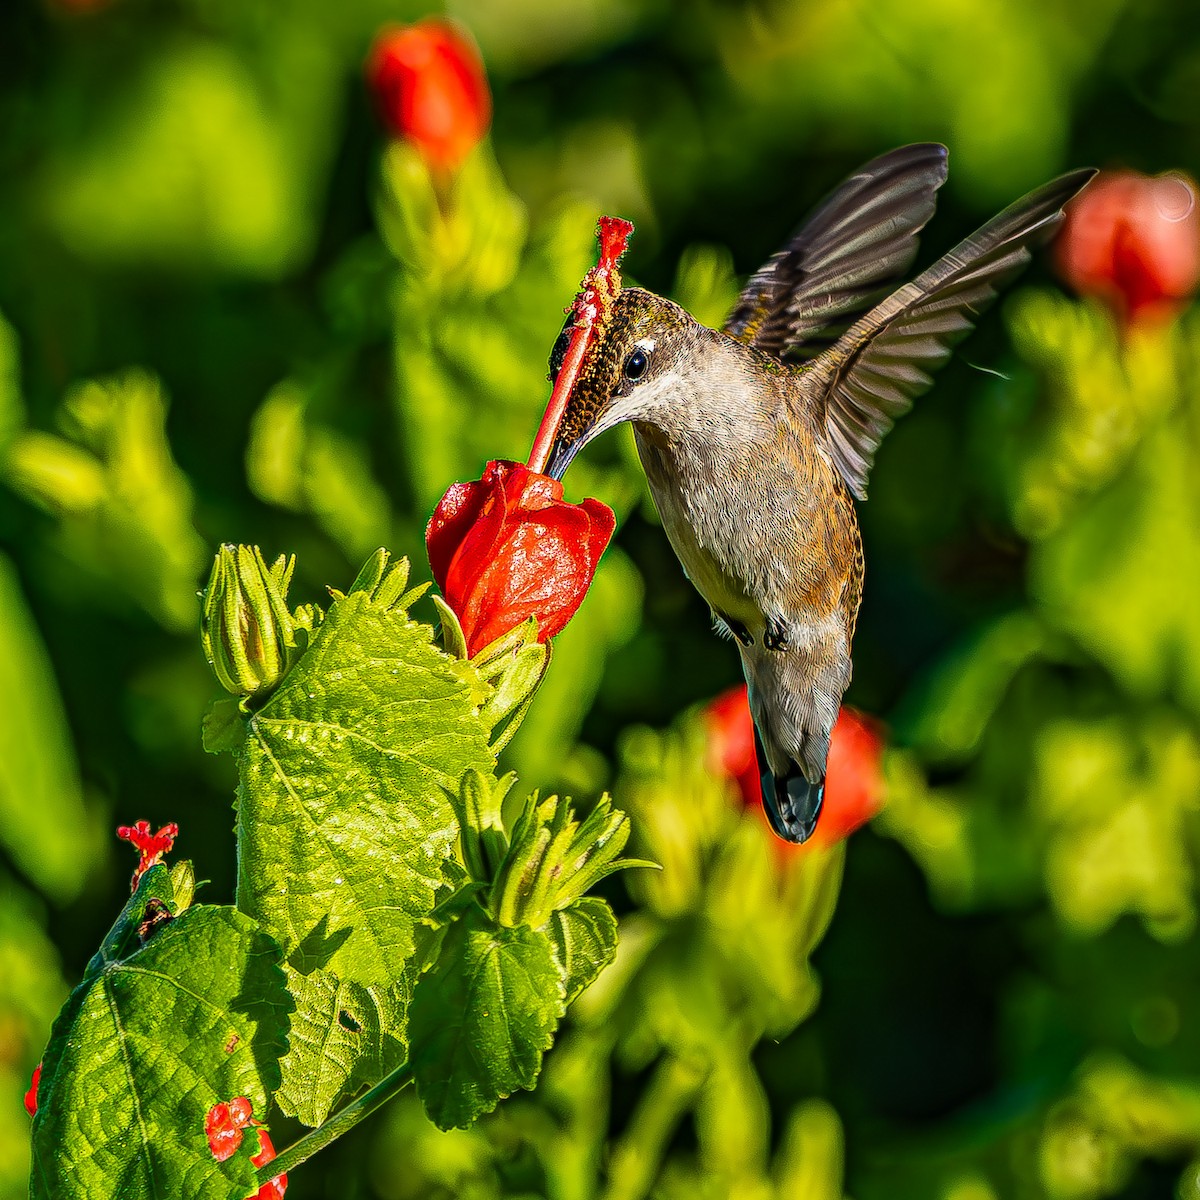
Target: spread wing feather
888,357
847,255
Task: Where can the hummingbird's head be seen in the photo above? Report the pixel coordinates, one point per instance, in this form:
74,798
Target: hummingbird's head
629,373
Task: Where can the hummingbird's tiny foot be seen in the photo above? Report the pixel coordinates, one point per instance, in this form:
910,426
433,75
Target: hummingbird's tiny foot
735,627
776,635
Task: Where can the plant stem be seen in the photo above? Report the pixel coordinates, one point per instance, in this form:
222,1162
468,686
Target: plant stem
342,1122
638,1156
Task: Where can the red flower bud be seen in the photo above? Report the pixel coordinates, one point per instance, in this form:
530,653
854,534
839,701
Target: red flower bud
853,775
31,1101
430,88
508,547
150,846
1134,242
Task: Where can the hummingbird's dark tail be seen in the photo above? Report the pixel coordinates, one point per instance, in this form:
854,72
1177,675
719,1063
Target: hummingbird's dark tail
792,803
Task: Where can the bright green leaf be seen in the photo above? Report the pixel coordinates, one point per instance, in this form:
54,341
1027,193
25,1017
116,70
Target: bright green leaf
482,1017
146,1045
223,728
344,781
343,1036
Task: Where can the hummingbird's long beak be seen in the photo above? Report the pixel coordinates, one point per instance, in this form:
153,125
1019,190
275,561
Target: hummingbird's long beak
562,454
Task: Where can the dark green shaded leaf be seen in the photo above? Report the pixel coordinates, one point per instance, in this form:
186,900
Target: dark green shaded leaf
482,1017
584,937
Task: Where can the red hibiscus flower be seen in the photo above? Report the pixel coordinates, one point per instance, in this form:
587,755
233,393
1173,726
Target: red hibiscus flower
430,88
853,773
508,547
150,846
1133,241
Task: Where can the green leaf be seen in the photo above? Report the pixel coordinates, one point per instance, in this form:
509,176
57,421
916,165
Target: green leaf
344,781
343,1036
195,169
584,937
124,505
146,1045
223,728
12,403
482,1017
43,823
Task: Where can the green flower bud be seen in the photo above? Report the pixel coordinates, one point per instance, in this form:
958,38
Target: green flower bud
249,637
554,859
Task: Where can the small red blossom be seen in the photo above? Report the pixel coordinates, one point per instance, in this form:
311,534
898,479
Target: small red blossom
1133,241
590,309
224,1125
31,1097
151,846
430,88
273,1189
853,772
508,547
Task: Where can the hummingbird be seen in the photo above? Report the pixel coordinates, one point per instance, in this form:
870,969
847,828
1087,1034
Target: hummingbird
757,438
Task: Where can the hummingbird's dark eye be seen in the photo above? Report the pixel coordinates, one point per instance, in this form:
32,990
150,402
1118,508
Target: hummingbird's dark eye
636,364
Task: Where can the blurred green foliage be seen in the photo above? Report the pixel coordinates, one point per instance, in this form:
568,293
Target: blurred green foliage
232,313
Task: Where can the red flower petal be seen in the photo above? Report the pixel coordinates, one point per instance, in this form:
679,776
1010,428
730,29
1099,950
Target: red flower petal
509,547
430,88
853,777
31,1102
731,743
223,1126
450,523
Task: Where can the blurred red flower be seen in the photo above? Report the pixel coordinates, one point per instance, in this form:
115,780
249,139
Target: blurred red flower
853,773
731,743
430,87
31,1101
1133,241
508,547
150,846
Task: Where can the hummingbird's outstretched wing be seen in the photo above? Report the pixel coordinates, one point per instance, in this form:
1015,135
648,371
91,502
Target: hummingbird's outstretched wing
858,244
885,359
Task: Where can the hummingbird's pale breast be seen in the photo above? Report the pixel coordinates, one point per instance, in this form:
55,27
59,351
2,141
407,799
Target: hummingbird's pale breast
754,510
